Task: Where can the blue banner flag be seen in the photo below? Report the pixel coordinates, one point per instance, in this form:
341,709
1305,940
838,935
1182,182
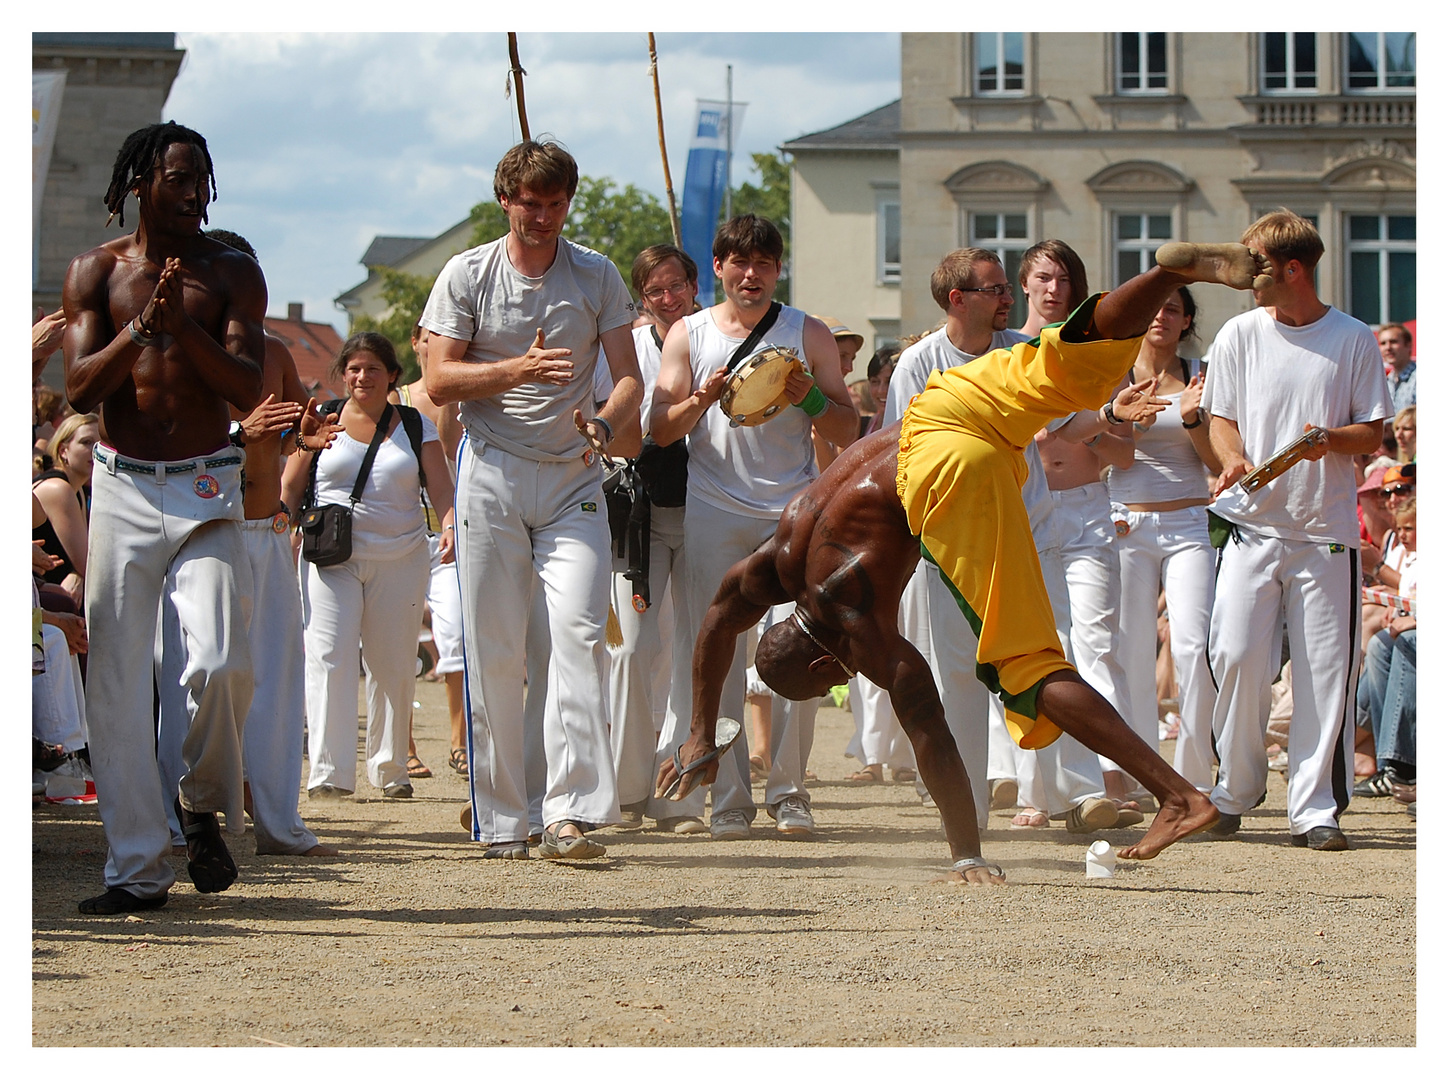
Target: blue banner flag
704,185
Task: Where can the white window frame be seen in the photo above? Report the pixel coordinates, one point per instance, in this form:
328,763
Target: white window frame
1291,72
1380,65
999,41
1004,247
887,273
1145,246
1143,74
1383,247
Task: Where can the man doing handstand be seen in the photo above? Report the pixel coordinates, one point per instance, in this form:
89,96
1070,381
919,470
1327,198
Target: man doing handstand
946,482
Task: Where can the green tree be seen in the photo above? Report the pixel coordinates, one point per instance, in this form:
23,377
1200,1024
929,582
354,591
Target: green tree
770,198
618,222
405,294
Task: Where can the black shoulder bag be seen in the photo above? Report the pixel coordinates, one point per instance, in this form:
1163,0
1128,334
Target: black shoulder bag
327,529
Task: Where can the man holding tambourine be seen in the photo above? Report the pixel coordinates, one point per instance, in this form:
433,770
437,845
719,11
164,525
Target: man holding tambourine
744,468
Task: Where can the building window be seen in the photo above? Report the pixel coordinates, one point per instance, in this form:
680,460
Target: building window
1381,61
1290,62
1000,63
888,239
1136,239
1141,63
1009,236
1381,267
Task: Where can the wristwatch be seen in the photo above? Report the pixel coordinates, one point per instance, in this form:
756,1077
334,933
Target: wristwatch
235,435
1110,416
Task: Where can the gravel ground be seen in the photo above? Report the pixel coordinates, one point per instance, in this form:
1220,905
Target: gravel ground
409,938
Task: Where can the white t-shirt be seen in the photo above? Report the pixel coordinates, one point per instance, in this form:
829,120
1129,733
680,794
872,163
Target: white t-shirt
1272,379
1407,564
388,520
934,352
646,348
480,298
754,471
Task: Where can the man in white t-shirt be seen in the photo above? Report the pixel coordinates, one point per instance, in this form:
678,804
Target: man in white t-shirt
1291,547
517,327
740,481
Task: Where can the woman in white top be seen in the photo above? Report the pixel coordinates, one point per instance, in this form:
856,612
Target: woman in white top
376,596
1165,492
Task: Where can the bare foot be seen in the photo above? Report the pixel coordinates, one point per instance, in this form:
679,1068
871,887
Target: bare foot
320,851
1180,816
1227,264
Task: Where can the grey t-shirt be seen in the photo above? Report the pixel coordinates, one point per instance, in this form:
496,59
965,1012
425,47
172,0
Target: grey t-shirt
480,298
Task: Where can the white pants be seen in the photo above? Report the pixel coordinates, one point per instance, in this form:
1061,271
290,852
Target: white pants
1170,551
379,604
714,540
171,539
519,519
636,666
1094,586
882,741
445,603
1066,773
965,697
275,724
57,699
1260,580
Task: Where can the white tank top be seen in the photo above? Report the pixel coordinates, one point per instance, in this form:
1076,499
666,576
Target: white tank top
1165,466
754,471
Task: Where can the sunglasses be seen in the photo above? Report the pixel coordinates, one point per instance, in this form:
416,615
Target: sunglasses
1400,489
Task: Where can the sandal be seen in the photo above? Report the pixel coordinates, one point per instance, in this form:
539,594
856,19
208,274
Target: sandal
905,775
1029,819
458,761
871,774
416,769
554,846
207,860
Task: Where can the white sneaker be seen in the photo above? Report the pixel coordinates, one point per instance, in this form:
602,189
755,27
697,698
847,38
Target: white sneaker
729,825
792,815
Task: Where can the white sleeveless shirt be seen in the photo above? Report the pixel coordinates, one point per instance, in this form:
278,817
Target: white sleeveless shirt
754,471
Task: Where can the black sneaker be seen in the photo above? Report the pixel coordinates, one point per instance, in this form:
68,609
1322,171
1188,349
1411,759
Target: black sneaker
1321,838
1378,786
1226,825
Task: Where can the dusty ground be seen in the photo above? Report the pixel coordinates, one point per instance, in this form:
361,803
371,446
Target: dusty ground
411,939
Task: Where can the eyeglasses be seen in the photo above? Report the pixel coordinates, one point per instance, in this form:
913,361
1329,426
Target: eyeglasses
994,290
678,288
1400,489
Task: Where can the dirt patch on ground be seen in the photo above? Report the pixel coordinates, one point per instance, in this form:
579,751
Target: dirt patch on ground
410,938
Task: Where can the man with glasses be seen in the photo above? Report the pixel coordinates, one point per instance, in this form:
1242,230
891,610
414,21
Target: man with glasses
667,282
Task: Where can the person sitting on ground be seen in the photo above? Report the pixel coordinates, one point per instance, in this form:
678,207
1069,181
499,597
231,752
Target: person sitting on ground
846,546
1388,687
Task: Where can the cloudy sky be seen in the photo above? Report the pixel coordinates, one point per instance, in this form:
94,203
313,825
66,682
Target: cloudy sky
322,141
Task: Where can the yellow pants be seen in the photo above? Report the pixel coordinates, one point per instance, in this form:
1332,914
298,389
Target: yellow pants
960,476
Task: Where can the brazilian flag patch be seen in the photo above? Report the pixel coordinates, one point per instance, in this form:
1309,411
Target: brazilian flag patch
1336,549
590,508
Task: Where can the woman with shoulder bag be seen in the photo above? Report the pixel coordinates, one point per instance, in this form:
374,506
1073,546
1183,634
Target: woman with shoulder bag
364,581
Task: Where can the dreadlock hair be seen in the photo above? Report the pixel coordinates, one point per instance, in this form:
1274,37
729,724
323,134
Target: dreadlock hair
140,154
235,241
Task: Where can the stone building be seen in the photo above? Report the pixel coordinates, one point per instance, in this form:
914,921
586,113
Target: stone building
115,83
1114,143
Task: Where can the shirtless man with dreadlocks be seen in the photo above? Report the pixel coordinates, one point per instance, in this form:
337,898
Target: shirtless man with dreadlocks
163,333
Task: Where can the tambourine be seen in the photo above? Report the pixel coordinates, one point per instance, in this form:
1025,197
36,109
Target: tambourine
756,391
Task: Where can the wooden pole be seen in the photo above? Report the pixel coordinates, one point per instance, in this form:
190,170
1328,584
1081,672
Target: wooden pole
518,74
663,154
